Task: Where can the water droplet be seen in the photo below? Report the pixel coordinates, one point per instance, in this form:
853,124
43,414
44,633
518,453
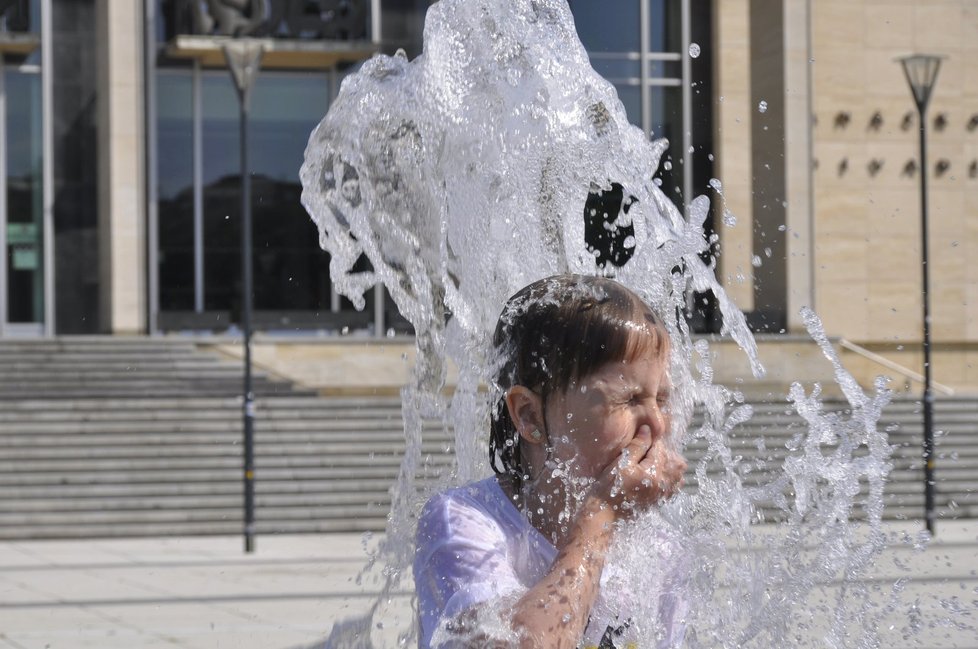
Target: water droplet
694,50
729,219
667,165
755,261
716,184
762,107
628,243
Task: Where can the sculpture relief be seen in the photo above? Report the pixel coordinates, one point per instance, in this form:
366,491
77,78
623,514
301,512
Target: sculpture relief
303,19
14,15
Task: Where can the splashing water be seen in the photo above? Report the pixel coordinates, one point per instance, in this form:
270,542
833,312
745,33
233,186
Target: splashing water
462,176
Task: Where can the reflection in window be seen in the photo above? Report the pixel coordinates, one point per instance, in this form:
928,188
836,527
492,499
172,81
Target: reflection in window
175,189
291,271
607,26
25,286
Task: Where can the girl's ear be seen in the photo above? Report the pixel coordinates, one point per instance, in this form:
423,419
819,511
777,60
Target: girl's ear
526,410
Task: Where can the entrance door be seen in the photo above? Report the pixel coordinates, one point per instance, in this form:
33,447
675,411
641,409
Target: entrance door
21,202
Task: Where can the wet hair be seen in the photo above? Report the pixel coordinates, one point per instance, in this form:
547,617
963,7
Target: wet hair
557,331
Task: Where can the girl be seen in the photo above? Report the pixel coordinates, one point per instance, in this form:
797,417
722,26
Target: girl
579,442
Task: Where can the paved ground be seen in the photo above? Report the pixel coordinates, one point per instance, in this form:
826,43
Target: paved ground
205,592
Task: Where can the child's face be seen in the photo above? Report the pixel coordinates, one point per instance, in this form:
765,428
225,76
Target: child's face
595,419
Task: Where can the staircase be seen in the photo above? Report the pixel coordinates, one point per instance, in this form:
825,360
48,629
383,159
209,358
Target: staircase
956,454
105,437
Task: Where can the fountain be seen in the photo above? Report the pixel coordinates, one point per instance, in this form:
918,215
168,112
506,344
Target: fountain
462,176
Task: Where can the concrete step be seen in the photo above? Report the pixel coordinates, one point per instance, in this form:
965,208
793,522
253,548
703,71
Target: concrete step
186,515
183,390
57,377
103,439
232,423
286,401
15,496
371,522
364,469
226,412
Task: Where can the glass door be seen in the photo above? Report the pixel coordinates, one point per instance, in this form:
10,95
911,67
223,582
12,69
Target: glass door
21,203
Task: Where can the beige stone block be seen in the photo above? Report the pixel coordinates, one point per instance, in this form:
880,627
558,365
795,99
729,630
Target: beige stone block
894,259
884,76
889,25
894,109
837,72
838,23
894,212
891,176
841,258
828,103
734,64
938,26
733,23
840,213
971,311
947,321
894,310
840,165
843,308
125,109
946,212
969,25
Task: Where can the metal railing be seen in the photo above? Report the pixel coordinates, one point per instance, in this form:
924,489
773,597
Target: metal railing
906,372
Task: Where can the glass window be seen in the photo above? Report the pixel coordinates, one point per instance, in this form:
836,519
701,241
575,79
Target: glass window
631,97
667,122
24,256
665,26
22,16
175,188
221,186
291,271
608,26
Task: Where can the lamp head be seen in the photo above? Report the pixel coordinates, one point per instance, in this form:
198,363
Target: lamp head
921,72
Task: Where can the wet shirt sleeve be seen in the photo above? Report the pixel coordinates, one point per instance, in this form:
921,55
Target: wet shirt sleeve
462,560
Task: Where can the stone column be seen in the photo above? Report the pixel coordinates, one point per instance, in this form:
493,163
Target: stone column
733,148
798,160
121,178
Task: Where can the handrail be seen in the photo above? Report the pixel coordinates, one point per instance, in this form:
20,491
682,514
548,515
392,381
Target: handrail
896,367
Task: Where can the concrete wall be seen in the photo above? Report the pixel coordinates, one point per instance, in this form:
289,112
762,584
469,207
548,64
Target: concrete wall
121,179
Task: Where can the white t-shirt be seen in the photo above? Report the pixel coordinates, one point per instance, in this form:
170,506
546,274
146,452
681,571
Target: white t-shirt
475,546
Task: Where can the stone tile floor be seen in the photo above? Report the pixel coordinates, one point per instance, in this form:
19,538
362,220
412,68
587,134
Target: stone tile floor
207,593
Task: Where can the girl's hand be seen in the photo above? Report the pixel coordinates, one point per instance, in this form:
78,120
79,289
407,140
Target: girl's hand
646,473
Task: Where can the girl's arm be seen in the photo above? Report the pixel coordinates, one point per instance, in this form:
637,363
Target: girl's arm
555,612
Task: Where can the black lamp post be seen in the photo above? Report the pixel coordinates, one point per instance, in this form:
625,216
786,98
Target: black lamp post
921,72
243,56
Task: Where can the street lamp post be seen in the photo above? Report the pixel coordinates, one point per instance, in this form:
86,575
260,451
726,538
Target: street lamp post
921,72
243,56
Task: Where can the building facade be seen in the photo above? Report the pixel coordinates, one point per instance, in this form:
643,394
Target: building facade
119,158
824,176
